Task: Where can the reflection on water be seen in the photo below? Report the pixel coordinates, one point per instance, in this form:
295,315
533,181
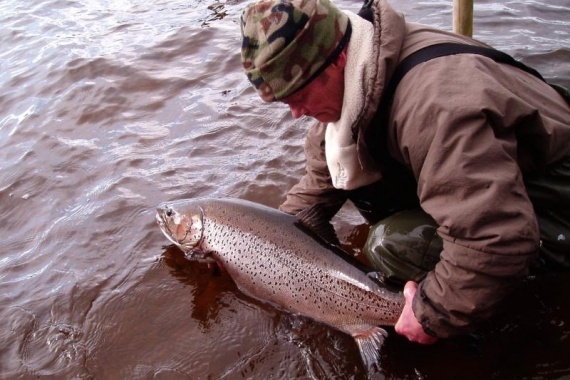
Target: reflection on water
207,283
109,108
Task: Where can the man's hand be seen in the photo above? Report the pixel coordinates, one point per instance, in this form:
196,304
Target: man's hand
407,324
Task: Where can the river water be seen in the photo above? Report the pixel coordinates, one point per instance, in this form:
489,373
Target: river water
109,108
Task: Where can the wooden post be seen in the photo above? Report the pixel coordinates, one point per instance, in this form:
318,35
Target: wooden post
463,17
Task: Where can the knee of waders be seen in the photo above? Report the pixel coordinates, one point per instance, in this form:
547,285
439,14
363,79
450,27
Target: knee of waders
404,246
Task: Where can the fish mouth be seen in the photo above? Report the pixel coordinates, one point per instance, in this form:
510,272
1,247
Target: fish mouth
164,228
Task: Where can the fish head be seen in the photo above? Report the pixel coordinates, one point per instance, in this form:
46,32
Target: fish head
182,223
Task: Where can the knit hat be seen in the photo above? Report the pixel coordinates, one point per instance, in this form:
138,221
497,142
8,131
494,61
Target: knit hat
287,43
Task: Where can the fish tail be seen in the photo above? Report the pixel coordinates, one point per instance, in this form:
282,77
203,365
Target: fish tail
369,342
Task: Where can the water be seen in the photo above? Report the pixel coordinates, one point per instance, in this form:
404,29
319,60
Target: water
109,108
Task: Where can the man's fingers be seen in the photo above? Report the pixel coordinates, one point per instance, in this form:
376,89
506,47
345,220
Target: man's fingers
407,325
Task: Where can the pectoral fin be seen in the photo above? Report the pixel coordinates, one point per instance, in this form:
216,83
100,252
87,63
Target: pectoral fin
369,342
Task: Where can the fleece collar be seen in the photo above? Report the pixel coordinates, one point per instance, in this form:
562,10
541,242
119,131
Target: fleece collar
340,147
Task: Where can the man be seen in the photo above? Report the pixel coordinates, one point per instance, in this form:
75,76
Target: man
476,150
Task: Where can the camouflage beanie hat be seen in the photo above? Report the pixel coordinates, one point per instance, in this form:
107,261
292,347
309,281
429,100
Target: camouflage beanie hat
287,43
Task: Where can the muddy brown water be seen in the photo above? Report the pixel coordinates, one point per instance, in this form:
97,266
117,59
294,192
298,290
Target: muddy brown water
109,108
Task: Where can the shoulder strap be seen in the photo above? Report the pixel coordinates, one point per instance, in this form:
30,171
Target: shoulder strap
426,54
423,55
449,48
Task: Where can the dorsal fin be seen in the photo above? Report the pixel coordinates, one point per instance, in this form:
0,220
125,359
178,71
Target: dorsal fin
314,218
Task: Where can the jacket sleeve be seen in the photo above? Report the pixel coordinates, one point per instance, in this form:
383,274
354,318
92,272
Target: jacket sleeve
315,187
470,182
476,194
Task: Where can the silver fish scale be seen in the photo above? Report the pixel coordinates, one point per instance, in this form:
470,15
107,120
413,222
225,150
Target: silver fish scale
269,258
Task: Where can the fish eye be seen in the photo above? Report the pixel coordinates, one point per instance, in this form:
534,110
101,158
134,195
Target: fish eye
169,212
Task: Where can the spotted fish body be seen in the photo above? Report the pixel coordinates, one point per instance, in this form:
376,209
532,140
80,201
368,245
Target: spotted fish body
272,257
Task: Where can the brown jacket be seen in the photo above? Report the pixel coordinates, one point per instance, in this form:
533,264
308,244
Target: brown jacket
471,131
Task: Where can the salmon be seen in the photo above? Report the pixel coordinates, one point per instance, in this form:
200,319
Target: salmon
286,261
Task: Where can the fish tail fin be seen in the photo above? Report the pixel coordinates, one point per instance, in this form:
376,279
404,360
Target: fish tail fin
369,342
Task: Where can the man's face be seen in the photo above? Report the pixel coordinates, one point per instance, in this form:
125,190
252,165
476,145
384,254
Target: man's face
322,98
